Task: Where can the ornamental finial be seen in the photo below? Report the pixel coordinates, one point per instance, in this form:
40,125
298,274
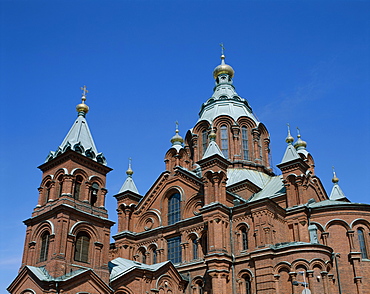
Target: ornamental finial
82,108
289,139
334,179
129,171
222,48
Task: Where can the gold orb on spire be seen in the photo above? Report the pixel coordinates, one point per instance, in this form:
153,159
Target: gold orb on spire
335,178
289,139
82,107
300,144
129,171
177,139
223,68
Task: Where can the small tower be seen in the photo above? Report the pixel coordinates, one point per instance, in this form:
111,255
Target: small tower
69,229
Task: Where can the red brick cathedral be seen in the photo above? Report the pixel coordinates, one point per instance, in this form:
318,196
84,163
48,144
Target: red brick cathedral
217,220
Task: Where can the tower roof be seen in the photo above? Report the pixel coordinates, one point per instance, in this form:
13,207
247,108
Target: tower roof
129,184
225,100
212,148
79,137
336,191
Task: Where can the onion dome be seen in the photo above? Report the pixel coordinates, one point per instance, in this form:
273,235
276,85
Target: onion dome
334,179
212,135
300,144
289,139
177,139
82,108
129,171
223,68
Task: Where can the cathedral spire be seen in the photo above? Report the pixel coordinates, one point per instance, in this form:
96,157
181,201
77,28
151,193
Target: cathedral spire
336,191
79,137
300,144
129,184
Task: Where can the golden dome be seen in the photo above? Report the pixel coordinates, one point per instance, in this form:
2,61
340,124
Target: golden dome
289,139
129,172
223,68
82,107
177,139
335,179
212,135
300,143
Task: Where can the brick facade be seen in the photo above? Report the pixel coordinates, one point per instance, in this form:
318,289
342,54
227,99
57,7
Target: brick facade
226,222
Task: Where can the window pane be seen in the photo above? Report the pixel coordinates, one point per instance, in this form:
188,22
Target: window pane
174,209
361,239
44,246
224,142
82,247
245,143
204,141
174,249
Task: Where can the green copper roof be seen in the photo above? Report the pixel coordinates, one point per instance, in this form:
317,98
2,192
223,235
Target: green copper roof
79,139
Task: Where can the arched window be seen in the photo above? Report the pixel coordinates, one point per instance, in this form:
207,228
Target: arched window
204,141
195,248
94,193
204,243
247,284
142,255
60,185
245,143
244,238
174,209
224,141
82,246
44,246
77,188
47,192
155,255
361,240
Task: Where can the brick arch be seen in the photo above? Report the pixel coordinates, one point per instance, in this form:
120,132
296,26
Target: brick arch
318,225
149,215
304,263
200,126
123,290
246,121
162,280
86,227
245,271
46,179
283,265
223,120
95,178
360,221
190,207
28,291
79,171
318,263
337,221
44,226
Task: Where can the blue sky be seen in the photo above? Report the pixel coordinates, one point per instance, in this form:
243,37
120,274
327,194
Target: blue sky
148,64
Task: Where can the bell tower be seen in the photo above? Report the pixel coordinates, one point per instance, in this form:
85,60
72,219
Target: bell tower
69,229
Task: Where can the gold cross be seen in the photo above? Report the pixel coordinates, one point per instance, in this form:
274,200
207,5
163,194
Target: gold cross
84,91
222,48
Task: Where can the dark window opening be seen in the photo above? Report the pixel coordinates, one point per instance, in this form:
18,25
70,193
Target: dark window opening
82,247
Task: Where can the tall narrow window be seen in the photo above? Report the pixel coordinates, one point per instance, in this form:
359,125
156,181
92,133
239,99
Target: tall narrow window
44,246
204,141
245,143
155,255
260,149
247,281
195,248
361,240
94,193
224,141
143,255
174,249
174,209
77,188
244,234
82,247
48,190
60,185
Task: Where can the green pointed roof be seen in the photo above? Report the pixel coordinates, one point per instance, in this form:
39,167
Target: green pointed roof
79,138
